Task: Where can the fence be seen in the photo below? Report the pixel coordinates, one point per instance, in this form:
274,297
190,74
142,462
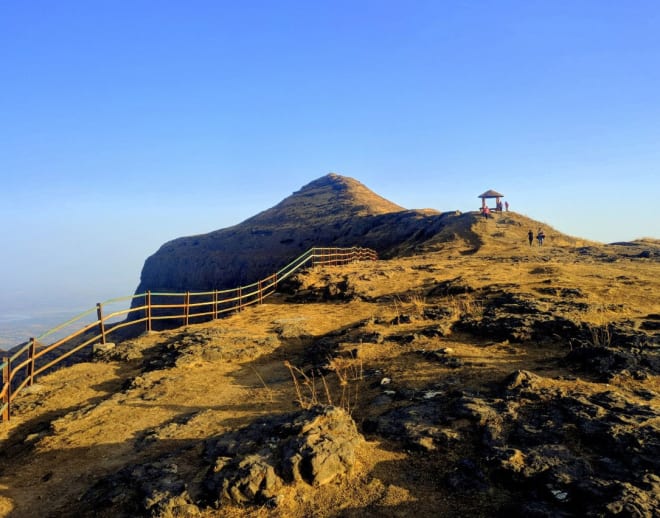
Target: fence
20,370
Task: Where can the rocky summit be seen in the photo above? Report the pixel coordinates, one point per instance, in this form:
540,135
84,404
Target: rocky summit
465,373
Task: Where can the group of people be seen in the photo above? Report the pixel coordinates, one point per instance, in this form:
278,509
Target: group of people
540,236
485,210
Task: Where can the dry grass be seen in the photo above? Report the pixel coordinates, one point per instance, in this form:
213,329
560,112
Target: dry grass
465,305
349,373
84,422
307,392
411,306
312,390
600,336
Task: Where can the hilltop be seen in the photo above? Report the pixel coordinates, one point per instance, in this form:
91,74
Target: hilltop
331,211
466,373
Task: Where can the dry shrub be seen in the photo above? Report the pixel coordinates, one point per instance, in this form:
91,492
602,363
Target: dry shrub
417,305
413,306
601,315
465,305
348,373
600,336
306,389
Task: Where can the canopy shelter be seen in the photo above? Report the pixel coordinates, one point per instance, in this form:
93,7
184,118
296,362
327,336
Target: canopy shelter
490,194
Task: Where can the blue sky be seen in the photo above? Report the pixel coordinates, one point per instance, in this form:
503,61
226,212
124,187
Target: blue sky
125,124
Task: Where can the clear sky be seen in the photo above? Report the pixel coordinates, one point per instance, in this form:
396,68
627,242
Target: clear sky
127,123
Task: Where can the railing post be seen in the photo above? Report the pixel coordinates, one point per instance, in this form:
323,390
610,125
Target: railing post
6,382
32,350
148,304
260,293
215,304
99,315
240,298
186,306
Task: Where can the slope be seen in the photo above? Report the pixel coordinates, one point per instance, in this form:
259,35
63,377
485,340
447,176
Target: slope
512,380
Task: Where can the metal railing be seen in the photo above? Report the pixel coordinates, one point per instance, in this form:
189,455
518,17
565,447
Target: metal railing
35,357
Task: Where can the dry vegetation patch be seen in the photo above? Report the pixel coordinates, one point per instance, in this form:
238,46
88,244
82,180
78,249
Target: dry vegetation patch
460,374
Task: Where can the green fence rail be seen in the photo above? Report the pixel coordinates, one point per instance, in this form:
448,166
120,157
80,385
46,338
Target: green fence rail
35,357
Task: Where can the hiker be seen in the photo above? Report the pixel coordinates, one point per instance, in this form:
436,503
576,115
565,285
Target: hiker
486,212
530,236
506,206
540,236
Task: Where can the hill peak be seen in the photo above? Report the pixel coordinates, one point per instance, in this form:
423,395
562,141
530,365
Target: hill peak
327,198
336,181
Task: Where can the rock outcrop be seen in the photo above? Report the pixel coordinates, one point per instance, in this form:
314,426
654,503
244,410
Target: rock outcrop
301,450
310,447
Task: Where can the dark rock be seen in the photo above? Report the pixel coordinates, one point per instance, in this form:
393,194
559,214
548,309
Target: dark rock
420,426
650,325
152,489
602,361
561,292
252,479
371,338
467,476
437,313
456,286
311,446
443,357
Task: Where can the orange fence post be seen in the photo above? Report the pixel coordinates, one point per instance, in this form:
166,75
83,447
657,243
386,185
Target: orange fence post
32,350
99,314
6,382
148,304
186,304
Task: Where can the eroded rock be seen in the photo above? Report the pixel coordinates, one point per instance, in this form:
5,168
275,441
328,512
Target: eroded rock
311,447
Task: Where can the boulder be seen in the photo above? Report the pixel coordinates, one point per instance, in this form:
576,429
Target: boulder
310,448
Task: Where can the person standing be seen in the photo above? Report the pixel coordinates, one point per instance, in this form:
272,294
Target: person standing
530,236
506,206
540,236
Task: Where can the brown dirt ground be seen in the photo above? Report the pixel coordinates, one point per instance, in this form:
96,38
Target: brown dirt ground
89,420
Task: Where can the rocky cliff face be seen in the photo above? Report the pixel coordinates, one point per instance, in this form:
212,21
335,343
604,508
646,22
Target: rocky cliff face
331,211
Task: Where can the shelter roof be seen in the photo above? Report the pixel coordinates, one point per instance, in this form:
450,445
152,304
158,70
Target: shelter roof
491,194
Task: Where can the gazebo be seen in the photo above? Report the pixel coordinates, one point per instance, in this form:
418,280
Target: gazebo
490,194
